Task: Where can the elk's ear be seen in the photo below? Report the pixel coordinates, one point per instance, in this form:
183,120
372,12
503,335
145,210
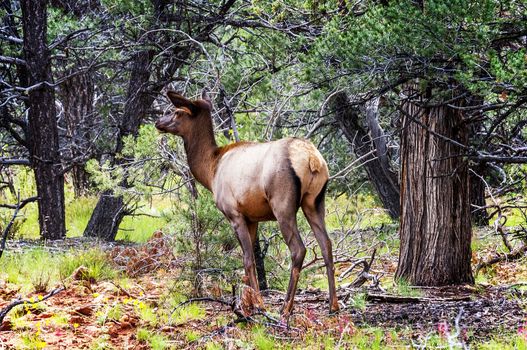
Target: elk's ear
180,101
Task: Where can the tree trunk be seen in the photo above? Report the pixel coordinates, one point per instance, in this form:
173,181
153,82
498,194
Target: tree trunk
377,165
77,95
260,265
435,228
110,209
106,217
43,138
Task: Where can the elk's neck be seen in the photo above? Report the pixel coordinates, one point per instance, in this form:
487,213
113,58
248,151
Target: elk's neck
201,149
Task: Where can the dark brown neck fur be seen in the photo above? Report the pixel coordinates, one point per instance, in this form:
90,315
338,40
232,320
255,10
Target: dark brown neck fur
201,149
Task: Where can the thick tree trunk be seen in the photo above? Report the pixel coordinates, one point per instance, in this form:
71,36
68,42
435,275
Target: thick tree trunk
435,229
43,138
366,138
77,95
106,217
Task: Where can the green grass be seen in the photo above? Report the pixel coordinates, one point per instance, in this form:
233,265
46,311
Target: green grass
29,268
137,228
156,341
187,313
403,288
33,267
261,340
78,212
95,260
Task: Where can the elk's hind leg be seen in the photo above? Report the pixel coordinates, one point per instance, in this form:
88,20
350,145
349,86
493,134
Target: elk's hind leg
314,211
284,209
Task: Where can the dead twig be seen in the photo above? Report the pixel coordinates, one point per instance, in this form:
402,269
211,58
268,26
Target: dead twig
17,302
513,255
364,275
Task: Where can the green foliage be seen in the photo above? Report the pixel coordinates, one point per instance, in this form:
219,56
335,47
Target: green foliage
202,233
95,261
358,301
261,340
405,39
156,341
403,288
78,213
187,313
28,268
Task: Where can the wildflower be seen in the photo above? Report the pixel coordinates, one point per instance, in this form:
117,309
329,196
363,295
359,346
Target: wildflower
442,329
522,331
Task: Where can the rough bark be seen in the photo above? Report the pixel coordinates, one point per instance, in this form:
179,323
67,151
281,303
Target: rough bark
43,138
435,228
106,217
365,134
77,96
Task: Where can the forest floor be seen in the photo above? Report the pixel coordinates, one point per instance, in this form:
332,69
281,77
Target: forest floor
148,307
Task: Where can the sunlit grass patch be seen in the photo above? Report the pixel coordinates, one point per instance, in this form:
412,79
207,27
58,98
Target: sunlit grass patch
95,261
29,269
78,213
154,340
112,312
187,313
146,313
261,340
33,341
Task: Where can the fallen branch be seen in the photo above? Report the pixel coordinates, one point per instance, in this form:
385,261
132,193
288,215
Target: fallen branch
514,255
17,302
398,299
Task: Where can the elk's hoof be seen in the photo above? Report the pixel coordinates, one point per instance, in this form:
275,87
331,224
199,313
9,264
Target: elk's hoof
334,310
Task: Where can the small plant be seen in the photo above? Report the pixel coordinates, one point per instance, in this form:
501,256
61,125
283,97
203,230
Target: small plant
403,288
33,341
101,343
213,346
261,340
146,313
95,261
41,282
358,301
111,313
191,336
156,341
187,313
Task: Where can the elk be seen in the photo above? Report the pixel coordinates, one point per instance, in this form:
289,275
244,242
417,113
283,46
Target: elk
253,182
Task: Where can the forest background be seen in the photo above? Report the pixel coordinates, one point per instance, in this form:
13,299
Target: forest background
417,106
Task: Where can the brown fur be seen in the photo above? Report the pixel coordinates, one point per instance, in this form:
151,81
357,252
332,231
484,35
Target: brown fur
253,182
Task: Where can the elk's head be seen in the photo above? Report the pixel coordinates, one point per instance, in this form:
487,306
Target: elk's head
185,116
